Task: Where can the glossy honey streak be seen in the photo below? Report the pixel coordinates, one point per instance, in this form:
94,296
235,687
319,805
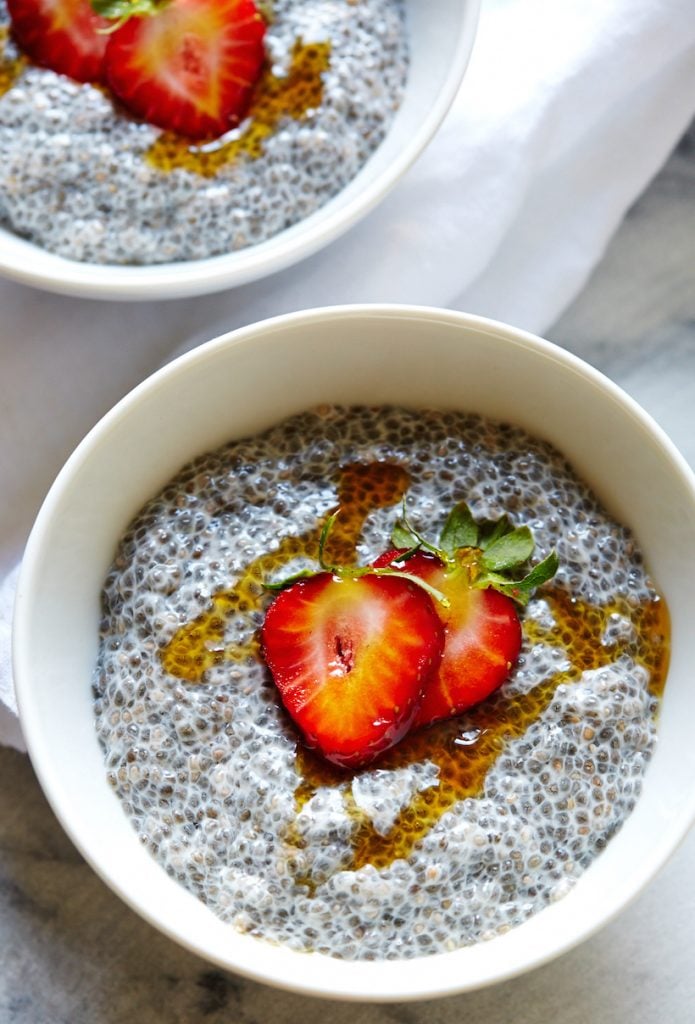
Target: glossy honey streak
292,95
464,748
10,68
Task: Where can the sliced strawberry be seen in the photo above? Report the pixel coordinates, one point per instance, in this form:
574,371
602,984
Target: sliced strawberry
190,66
351,658
482,637
63,35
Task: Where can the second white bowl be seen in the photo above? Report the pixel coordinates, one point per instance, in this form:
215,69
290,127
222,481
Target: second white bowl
441,35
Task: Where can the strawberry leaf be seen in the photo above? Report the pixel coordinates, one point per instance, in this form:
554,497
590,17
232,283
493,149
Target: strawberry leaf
508,551
460,530
402,537
522,590
542,572
490,530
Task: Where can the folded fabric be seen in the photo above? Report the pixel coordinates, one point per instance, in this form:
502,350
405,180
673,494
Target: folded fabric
567,111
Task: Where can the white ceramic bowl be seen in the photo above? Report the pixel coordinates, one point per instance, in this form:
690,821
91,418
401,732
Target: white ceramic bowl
240,384
441,38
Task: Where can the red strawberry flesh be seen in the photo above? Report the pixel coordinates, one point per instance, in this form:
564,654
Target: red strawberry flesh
190,67
351,659
482,638
63,35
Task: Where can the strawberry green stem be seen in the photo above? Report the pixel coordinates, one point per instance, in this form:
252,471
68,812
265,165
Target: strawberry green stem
432,591
487,554
119,11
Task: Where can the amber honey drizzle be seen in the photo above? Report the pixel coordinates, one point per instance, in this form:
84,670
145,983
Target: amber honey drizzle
199,645
10,68
579,627
465,748
291,95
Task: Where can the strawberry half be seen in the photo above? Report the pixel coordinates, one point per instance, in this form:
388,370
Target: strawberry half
351,658
482,638
62,35
188,66
473,572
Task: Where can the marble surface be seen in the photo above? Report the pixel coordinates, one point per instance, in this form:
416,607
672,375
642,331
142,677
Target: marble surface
70,951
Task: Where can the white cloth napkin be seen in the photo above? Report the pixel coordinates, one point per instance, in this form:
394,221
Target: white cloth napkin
567,111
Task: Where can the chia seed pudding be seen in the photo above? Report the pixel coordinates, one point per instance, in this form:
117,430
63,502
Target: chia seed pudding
87,182
463,830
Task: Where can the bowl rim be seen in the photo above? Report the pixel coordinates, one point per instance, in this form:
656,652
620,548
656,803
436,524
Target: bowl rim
334,979
58,274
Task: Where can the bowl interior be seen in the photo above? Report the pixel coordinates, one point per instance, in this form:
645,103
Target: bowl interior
227,389
440,49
